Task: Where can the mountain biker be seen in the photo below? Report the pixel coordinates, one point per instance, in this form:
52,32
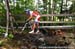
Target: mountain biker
33,14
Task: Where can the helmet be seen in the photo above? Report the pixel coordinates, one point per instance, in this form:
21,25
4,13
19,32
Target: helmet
27,11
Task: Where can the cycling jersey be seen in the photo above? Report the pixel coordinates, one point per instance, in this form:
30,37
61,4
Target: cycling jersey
35,14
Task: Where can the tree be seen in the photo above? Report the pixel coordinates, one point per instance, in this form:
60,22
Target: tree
72,8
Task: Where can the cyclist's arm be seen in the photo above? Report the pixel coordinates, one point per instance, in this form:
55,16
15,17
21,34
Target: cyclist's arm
30,17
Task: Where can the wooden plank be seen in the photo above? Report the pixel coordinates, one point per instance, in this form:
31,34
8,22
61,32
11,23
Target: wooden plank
45,15
49,21
58,27
57,21
52,27
58,14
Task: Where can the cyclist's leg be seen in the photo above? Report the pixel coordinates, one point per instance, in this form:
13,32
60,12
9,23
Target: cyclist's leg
37,24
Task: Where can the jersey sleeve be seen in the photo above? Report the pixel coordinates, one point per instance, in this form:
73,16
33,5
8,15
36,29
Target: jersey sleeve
31,13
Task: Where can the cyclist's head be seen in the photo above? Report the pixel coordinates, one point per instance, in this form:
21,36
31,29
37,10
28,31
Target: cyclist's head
27,11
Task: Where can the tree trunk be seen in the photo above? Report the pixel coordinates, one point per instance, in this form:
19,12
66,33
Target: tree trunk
52,9
7,14
9,18
61,6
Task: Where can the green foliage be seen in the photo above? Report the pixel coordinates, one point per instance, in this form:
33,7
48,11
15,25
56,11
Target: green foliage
18,7
29,4
1,42
2,31
10,36
21,5
72,8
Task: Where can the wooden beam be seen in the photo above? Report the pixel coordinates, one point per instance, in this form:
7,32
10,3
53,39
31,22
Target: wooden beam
58,14
50,21
49,15
57,21
58,27
53,27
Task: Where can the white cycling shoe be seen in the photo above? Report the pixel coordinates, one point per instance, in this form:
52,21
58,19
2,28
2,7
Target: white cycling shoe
37,31
31,31
34,32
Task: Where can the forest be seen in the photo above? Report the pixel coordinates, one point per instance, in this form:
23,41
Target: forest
57,24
